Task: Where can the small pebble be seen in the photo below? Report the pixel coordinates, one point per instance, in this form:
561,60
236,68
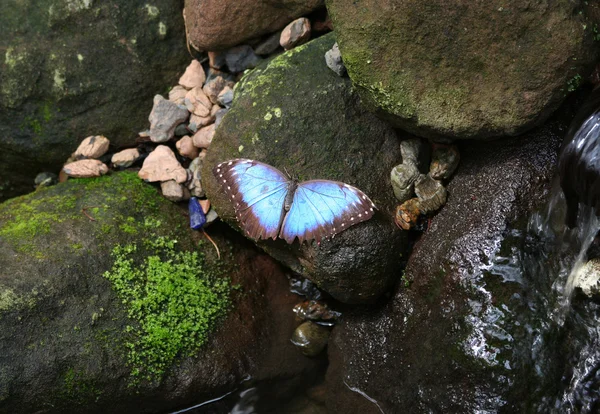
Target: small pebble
407,214
197,102
194,76
164,118
333,59
92,147
414,151
240,58
225,98
216,82
431,194
310,338
444,161
162,165
269,45
295,33
45,179
403,177
172,190
195,184
197,217
205,204
204,136
85,169
177,94
125,158
186,147
181,130
211,217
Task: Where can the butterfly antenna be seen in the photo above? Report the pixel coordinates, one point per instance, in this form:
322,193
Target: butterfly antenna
213,243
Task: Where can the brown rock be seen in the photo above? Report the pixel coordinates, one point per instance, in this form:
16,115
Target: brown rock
177,94
221,24
295,33
444,160
186,147
216,60
431,194
204,136
197,102
85,169
194,76
205,204
92,147
408,213
161,165
197,122
125,158
172,190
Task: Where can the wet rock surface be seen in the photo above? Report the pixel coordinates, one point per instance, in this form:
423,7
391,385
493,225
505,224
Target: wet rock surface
71,69
437,83
303,132
63,327
453,337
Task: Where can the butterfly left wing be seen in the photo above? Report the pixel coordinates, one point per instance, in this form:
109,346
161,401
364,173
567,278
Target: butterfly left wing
257,192
322,208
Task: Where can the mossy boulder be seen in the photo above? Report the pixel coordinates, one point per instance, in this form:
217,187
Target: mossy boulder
296,114
448,70
462,333
74,68
110,303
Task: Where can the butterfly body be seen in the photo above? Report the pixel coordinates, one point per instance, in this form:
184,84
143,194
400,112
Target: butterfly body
269,204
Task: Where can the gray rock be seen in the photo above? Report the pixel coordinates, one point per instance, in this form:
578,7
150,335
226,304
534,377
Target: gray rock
331,137
216,82
269,45
403,177
172,190
74,71
431,194
444,161
195,183
225,98
164,118
240,58
181,130
211,216
415,151
219,116
334,61
45,179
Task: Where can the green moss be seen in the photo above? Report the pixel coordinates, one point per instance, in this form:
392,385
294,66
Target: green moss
78,388
574,82
174,299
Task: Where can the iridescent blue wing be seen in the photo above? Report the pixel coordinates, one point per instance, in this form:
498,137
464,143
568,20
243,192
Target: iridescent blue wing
322,208
257,192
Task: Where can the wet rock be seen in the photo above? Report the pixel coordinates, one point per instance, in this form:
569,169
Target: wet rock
444,161
161,165
62,79
177,95
225,98
408,213
403,177
454,337
270,124
295,33
194,76
204,137
310,338
85,169
240,58
317,312
305,287
45,179
165,116
186,147
125,158
587,279
269,45
431,194
62,324
218,24
195,184
92,147
334,61
215,83
513,96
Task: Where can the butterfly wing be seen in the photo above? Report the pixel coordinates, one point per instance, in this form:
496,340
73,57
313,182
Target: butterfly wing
257,192
322,208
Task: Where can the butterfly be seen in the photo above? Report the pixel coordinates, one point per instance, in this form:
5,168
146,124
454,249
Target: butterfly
270,204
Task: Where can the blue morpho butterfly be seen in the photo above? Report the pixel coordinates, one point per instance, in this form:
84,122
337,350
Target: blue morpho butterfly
270,204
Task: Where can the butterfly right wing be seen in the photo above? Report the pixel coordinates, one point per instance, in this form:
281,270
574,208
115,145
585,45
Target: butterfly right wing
257,192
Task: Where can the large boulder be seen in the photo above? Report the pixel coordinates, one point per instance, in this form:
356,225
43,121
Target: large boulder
71,69
221,24
446,69
74,338
464,329
296,114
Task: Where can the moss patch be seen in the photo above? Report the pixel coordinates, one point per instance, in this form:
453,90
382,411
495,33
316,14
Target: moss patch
175,300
